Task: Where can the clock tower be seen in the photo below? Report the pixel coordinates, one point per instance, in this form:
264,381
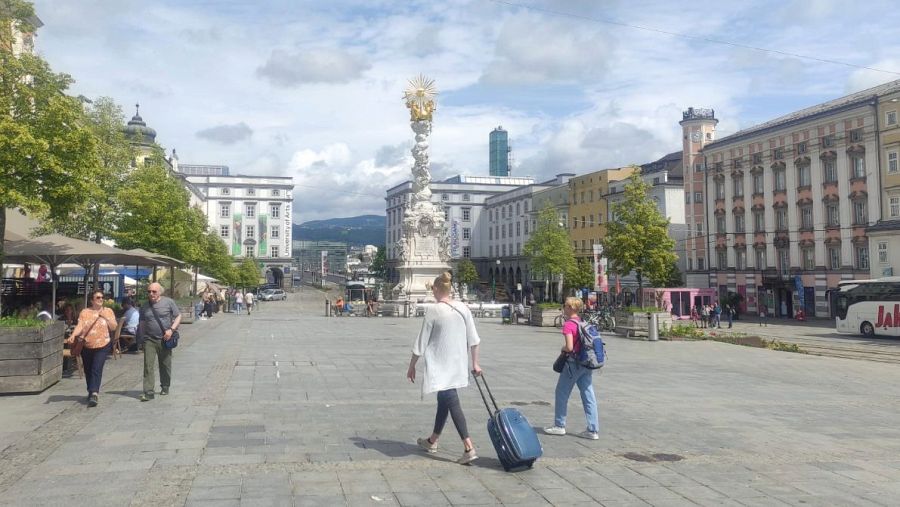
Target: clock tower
698,129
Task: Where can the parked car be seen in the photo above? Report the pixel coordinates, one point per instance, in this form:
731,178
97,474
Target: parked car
272,294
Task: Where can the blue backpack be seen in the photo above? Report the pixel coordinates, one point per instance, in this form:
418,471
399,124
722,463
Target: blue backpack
593,353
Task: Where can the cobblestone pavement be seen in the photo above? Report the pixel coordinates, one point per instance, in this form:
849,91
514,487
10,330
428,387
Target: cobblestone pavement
287,407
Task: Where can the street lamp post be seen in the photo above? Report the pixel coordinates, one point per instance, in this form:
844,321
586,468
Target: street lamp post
494,283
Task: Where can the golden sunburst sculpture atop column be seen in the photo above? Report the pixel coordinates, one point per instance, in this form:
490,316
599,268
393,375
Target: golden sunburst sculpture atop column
419,96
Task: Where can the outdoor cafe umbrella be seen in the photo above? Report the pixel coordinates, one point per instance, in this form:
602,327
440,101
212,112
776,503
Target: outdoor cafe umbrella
56,249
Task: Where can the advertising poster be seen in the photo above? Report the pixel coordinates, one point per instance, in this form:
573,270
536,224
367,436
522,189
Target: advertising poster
601,282
454,239
236,235
263,250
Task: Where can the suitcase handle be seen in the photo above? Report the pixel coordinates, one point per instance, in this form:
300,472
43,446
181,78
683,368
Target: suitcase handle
488,389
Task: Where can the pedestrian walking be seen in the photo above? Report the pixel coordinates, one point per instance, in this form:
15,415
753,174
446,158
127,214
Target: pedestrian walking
704,316
239,302
92,336
447,338
730,313
763,313
574,374
160,317
695,317
248,300
717,316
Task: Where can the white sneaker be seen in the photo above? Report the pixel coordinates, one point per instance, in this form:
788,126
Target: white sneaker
426,445
467,457
590,435
555,430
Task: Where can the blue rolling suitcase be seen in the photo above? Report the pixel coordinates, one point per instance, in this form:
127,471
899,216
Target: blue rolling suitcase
514,439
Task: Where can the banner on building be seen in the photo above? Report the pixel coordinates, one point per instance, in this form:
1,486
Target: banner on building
601,282
263,250
454,239
237,222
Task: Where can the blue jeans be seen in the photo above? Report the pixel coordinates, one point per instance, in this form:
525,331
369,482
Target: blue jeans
239,308
574,374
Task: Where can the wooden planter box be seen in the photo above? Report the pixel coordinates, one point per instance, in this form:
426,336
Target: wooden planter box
30,358
187,314
544,317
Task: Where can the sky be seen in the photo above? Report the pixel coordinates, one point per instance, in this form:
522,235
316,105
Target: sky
313,89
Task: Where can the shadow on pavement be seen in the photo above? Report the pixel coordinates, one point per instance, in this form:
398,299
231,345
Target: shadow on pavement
128,394
390,448
55,398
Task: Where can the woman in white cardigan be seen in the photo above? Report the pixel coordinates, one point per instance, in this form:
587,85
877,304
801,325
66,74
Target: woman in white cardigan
447,337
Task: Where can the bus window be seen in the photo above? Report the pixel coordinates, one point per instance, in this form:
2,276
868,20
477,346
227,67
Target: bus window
841,306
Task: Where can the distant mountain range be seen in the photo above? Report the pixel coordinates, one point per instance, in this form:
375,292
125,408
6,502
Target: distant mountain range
361,230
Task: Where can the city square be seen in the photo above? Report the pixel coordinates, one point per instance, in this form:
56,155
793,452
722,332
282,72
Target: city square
322,245
289,407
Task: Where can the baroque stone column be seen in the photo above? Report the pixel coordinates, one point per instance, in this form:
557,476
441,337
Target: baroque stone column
424,246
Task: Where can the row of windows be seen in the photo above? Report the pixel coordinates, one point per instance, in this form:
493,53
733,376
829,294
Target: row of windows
807,258
829,141
587,223
250,251
249,231
274,192
804,179
249,210
502,251
501,231
465,197
504,212
832,212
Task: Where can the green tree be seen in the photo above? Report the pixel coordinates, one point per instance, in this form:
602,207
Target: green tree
248,273
466,272
46,149
216,261
582,274
637,239
158,216
94,218
548,249
670,278
378,267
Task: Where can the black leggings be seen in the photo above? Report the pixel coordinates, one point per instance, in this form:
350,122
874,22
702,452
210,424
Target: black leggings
448,404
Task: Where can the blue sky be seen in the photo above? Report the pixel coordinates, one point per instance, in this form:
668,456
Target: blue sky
312,89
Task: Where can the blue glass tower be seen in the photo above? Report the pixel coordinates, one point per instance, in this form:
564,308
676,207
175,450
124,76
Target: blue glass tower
499,152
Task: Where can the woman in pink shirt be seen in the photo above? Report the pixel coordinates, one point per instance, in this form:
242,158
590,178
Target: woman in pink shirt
574,374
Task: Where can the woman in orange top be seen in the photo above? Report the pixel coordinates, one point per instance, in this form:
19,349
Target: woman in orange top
95,324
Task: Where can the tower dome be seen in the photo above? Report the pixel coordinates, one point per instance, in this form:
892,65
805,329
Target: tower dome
137,130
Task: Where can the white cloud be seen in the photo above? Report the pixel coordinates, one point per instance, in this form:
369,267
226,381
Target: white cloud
323,65
321,85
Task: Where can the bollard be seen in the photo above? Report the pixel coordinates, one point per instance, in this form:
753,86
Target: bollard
327,308
406,308
653,327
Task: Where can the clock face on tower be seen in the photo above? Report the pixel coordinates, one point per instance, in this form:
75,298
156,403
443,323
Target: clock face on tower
695,136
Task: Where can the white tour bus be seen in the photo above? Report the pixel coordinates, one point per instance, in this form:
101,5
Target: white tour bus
868,307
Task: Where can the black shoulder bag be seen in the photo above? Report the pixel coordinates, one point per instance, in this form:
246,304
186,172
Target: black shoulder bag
172,342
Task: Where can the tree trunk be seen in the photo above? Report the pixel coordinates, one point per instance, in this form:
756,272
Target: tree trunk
640,294
2,252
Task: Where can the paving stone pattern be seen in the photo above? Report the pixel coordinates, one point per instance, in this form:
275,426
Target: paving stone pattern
288,407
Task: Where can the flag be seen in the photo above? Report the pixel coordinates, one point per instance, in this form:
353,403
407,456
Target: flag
618,285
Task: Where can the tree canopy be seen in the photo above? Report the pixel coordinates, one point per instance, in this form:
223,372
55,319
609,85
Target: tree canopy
637,239
248,273
582,274
47,148
466,272
378,267
548,249
94,218
157,216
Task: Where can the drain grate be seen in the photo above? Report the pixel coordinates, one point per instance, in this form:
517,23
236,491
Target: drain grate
652,458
